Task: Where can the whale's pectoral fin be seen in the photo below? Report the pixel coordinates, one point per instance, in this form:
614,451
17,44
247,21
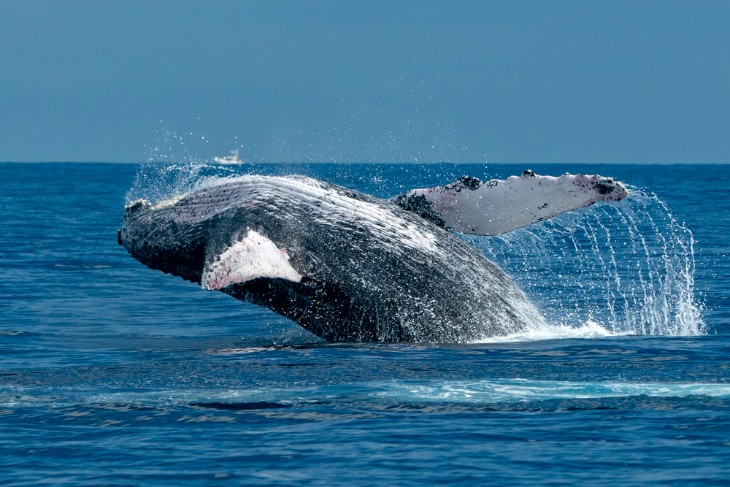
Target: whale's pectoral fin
253,257
477,207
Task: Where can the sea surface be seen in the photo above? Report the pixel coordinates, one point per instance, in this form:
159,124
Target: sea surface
115,374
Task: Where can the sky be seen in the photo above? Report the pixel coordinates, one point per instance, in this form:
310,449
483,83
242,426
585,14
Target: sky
366,81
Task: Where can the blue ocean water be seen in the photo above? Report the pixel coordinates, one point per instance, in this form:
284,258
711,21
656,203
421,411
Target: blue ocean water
111,373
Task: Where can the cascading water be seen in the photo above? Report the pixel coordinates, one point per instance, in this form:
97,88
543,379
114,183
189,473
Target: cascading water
628,268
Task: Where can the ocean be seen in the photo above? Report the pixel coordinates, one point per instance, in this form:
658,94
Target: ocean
115,374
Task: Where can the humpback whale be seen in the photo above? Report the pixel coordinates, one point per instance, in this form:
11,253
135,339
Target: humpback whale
352,267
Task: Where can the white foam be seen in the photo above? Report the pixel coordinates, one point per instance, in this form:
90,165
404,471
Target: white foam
523,390
590,329
485,391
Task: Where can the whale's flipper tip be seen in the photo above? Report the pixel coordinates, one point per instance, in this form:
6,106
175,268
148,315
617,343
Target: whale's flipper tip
614,190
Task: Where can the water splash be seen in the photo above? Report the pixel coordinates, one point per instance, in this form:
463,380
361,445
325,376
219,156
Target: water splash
628,267
173,166
156,182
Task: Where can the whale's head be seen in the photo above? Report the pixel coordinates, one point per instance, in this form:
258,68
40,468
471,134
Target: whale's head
237,230
156,236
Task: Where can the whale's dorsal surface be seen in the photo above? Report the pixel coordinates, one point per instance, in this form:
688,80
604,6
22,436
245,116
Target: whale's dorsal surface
344,265
499,206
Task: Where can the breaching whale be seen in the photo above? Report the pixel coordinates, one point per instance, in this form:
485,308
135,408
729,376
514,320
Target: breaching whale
351,267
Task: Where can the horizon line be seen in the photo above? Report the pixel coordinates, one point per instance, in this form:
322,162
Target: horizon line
704,163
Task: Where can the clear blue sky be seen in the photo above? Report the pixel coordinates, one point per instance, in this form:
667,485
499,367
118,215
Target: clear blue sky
366,80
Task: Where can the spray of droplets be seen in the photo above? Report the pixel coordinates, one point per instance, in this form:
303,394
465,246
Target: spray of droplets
628,267
175,164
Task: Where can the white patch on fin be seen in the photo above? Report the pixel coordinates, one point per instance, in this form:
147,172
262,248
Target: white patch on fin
253,257
495,207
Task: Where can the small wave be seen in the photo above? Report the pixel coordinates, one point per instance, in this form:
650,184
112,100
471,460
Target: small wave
474,392
15,333
239,406
239,350
84,267
523,390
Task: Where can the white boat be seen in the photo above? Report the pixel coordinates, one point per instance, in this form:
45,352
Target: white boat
231,158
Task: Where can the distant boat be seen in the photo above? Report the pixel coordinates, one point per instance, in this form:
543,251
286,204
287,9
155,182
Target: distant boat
231,158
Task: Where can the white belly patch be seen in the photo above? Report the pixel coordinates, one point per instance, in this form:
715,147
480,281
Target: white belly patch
253,257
